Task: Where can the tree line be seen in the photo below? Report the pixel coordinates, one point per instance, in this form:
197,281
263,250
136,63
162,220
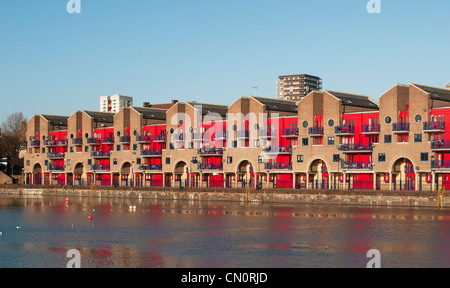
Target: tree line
12,133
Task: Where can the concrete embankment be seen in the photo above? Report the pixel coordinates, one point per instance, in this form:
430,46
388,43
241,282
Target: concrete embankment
360,198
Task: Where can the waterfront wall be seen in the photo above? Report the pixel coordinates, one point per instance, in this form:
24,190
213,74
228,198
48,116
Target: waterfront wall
359,198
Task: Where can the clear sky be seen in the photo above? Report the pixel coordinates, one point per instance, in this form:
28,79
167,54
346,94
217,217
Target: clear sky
214,51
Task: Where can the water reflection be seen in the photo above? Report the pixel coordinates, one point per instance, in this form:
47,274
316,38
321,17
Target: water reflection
160,233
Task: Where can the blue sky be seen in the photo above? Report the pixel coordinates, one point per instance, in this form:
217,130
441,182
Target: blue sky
53,62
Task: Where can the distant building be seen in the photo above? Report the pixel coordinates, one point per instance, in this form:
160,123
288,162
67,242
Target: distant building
295,87
114,103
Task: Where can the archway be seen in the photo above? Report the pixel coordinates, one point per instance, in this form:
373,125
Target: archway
403,174
37,174
126,174
319,175
78,174
245,174
181,174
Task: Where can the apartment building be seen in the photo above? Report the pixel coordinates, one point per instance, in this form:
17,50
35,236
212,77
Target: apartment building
114,103
295,87
326,140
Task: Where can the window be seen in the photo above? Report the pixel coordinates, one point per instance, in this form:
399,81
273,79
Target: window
336,158
403,138
234,144
69,162
229,160
299,158
305,141
138,161
418,138
134,147
387,138
89,161
256,143
330,140
424,157
115,161
118,148
28,162
190,145
71,149
260,159
43,150
382,157
167,160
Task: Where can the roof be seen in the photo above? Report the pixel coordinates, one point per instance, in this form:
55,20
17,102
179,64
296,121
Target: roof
435,93
56,120
222,110
355,100
151,113
278,104
104,117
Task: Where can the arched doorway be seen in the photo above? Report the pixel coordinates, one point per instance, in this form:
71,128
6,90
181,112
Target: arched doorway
403,175
245,174
78,174
319,175
181,174
126,174
37,174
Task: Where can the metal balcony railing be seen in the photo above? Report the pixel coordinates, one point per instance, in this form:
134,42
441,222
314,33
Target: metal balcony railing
434,126
178,137
100,167
77,141
316,131
400,127
55,168
160,138
151,152
356,165
210,166
357,147
344,130
100,154
124,139
210,151
49,143
371,128
277,149
55,155
94,141
151,167
35,143
243,134
278,166
144,138
440,145
264,133
201,136
221,135
290,132
108,140
440,164
23,143
62,142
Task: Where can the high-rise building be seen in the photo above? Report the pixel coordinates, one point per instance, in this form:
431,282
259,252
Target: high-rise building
295,87
114,103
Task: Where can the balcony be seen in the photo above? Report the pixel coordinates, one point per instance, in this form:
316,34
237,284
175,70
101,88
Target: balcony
62,142
277,149
125,139
434,127
35,143
151,153
210,151
100,154
291,132
151,167
100,167
210,166
243,134
94,141
160,138
23,144
264,133
50,143
55,168
55,155
371,129
358,165
108,140
344,130
77,141
178,137
316,131
399,128
278,166
440,164
221,135
440,145
356,148
144,138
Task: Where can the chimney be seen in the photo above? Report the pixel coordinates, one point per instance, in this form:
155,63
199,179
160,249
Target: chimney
146,104
174,102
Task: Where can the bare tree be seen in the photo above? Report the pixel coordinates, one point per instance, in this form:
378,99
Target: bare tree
11,136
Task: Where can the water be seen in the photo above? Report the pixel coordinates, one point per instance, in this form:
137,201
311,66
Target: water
190,234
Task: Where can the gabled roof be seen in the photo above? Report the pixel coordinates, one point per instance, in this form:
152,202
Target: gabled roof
435,93
56,120
277,104
222,110
354,100
103,117
151,113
